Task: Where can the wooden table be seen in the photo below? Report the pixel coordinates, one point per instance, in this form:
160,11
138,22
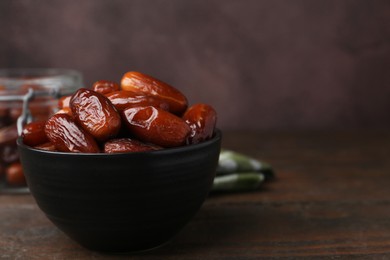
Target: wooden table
331,198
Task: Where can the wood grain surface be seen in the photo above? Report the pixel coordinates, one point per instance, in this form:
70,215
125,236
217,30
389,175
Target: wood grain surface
331,198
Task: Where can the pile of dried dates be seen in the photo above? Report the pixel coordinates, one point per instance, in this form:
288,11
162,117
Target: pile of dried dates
11,172
10,168
141,113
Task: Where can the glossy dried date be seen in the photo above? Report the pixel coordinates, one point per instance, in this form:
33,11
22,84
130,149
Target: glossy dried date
202,119
67,136
144,84
33,133
125,145
105,86
156,126
123,99
95,114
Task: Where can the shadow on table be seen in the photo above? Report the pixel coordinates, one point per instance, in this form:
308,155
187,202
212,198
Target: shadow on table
220,227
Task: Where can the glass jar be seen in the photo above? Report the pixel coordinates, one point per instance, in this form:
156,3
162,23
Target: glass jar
14,85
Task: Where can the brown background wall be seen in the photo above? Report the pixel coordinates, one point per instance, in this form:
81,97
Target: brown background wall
264,64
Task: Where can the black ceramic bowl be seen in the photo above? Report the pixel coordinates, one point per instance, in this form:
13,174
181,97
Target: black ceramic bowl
121,202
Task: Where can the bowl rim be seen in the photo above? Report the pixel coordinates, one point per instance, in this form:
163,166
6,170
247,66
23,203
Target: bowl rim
217,136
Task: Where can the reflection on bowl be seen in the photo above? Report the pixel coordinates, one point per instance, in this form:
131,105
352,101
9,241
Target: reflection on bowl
121,202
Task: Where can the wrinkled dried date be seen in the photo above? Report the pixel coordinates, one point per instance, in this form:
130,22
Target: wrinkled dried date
147,85
125,145
202,119
123,99
157,126
67,136
95,114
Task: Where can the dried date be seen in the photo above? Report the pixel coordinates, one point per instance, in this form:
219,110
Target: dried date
14,175
144,84
202,119
95,114
67,136
125,145
33,133
105,86
156,126
124,99
46,147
